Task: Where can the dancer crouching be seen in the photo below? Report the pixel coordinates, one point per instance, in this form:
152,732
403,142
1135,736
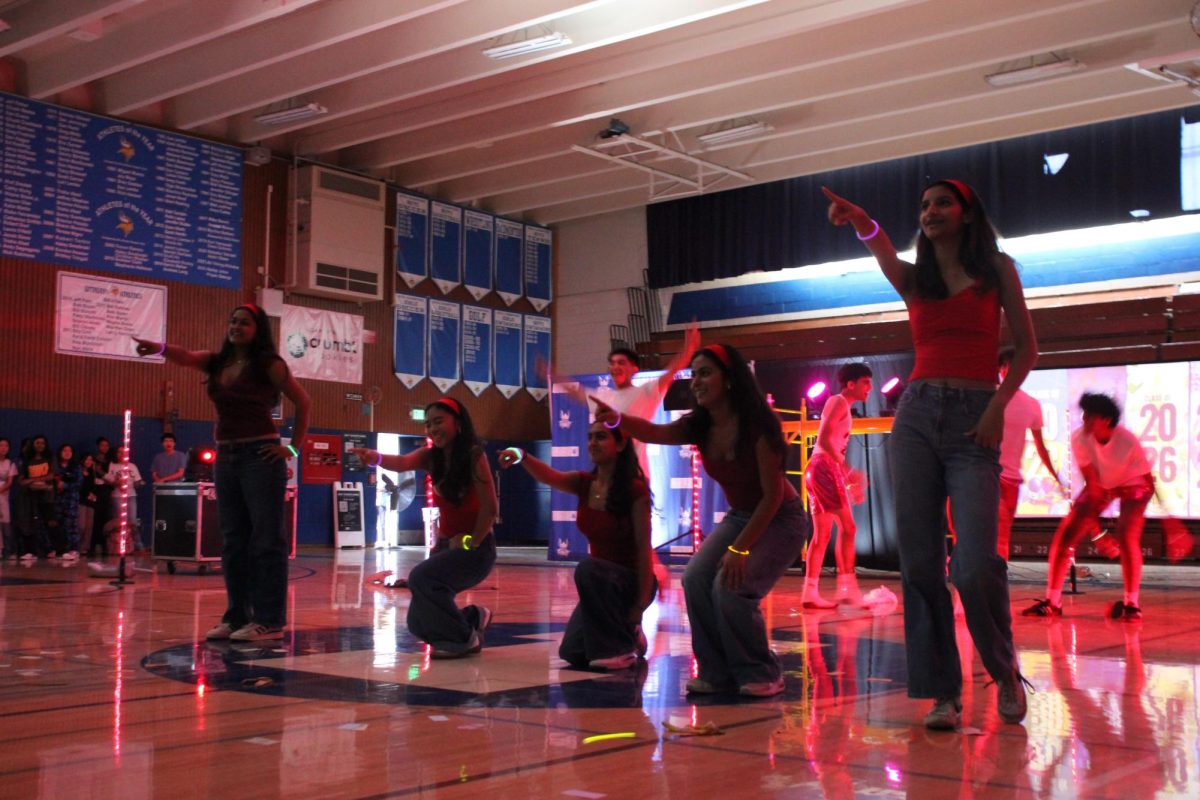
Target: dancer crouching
741,445
616,581
465,550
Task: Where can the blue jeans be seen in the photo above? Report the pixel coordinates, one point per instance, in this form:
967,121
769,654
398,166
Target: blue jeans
729,637
599,626
931,459
254,556
433,616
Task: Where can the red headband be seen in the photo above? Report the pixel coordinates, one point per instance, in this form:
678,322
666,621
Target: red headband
253,309
450,403
962,188
719,351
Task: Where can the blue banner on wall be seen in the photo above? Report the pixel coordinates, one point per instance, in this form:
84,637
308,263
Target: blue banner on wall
538,243
445,245
507,338
444,345
479,252
537,355
510,250
670,477
95,192
412,238
477,348
408,356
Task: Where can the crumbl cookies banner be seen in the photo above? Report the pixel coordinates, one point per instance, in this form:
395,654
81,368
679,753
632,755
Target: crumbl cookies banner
324,345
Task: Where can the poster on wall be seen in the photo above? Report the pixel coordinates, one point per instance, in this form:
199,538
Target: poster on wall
321,458
444,345
445,245
477,348
412,238
510,245
408,355
323,345
507,336
538,243
351,462
537,355
97,316
96,192
1156,410
479,252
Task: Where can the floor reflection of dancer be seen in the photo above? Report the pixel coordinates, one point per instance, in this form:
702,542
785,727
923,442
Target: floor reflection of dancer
946,436
742,448
615,582
465,549
1023,413
245,378
828,499
1114,467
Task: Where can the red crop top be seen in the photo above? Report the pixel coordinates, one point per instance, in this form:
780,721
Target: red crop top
609,537
456,518
737,478
957,337
244,406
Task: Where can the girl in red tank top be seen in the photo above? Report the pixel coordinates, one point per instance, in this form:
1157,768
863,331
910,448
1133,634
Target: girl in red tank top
465,550
945,440
615,582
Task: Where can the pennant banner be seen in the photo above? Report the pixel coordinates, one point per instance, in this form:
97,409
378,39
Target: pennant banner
510,243
538,242
506,338
537,351
445,246
408,357
479,252
444,346
412,238
477,348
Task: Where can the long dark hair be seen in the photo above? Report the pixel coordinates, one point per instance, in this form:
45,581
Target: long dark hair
978,251
626,470
260,353
28,453
755,417
452,474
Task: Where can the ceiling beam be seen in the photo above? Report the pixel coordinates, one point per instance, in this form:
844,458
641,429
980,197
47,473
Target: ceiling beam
42,20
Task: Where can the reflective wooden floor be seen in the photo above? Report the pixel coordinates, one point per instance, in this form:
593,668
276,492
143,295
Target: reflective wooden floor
112,693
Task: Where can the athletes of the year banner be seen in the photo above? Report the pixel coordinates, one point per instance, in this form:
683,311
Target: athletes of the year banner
479,252
507,334
444,327
537,355
412,238
324,345
510,247
98,316
1156,410
477,348
445,245
538,243
408,357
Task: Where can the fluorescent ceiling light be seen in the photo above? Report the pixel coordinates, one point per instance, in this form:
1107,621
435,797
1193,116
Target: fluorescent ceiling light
531,44
282,116
741,131
1035,73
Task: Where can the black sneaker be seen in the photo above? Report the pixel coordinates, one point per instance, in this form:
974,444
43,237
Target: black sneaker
1042,608
1117,610
1131,613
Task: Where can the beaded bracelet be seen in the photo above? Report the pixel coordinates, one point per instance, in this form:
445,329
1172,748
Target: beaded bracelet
870,235
737,552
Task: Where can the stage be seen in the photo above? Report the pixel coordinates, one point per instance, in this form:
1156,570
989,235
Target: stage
112,692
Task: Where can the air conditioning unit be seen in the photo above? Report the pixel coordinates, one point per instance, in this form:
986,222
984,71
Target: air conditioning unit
339,236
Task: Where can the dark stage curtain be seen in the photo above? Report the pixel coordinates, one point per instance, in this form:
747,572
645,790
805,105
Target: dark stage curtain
1112,168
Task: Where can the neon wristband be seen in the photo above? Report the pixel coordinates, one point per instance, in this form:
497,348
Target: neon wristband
466,541
737,552
162,349
616,424
870,235
518,454
378,459
292,450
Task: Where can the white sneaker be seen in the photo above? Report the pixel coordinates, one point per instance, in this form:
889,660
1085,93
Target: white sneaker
765,689
255,632
28,557
614,663
72,555
222,630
